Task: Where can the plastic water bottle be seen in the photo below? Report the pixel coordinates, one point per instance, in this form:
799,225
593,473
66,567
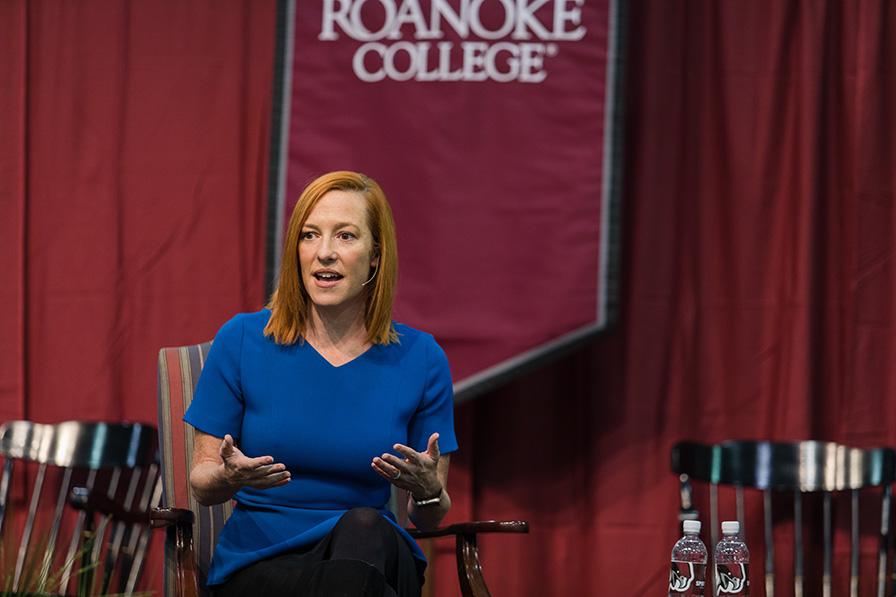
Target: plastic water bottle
732,560
688,574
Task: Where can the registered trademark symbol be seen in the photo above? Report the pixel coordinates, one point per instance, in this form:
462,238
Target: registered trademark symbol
552,50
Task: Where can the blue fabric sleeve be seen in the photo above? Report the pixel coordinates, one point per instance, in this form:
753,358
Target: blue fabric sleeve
436,411
217,406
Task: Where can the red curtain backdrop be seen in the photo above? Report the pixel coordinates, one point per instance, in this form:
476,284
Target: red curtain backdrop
758,270
13,33
134,163
133,169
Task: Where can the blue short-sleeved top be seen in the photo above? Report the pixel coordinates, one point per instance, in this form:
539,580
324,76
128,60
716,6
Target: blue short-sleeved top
325,423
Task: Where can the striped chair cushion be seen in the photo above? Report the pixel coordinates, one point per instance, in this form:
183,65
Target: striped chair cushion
179,370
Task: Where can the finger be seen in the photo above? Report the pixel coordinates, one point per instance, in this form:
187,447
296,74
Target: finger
380,471
421,459
274,480
433,447
401,464
267,475
264,461
272,472
389,464
280,478
409,453
281,483
227,447
386,470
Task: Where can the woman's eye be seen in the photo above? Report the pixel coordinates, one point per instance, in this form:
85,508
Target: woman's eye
346,236
307,235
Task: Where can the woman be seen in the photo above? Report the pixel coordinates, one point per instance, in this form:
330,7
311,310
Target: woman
299,405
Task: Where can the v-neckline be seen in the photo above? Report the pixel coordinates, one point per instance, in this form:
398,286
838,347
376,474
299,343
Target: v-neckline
331,363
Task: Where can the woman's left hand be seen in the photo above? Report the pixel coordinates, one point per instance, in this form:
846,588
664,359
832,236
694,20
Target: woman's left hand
416,473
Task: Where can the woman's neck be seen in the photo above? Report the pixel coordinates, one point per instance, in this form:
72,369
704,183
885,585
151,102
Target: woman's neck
339,335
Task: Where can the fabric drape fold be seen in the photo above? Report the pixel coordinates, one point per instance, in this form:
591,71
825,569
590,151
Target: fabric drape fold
13,83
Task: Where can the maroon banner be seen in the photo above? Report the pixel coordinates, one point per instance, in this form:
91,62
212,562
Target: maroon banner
485,123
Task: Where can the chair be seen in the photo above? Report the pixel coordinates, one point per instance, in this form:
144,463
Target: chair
91,482
187,562
799,482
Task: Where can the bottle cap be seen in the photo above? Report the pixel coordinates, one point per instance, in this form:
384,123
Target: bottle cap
730,527
691,526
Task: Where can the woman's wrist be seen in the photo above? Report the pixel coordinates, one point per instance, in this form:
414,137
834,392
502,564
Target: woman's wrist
433,498
427,515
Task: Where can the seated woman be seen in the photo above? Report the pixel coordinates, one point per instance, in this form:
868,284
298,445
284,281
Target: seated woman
309,410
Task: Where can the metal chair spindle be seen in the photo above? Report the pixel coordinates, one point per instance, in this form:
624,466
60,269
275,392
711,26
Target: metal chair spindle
798,543
769,543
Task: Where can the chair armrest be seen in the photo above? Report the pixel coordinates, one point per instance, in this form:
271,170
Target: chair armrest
469,569
472,528
82,498
163,517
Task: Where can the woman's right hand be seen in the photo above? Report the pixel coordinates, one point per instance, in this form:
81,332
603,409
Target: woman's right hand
220,469
257,473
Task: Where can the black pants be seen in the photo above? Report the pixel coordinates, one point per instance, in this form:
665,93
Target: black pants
363,556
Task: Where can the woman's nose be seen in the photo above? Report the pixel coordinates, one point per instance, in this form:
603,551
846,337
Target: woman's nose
327,250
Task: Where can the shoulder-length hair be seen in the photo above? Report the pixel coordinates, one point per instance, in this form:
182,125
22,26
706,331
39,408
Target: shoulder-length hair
290,304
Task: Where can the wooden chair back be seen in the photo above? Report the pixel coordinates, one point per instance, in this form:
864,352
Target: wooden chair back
74,505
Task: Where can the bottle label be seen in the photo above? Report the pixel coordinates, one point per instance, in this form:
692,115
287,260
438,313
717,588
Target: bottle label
687,578
732,579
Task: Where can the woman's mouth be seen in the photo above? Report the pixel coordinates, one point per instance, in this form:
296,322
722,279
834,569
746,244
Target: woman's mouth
327,277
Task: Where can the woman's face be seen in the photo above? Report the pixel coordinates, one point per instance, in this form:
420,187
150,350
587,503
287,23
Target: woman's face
336,251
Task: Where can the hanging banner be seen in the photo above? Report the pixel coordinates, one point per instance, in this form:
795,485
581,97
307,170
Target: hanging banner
487,124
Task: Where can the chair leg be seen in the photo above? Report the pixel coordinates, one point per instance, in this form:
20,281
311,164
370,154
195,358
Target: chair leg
75,543
854,546
54,530
769,543
152,497
29,526
5,481
885,539
87,573
178,524
188,578
714,513
469,570
798,543
828,547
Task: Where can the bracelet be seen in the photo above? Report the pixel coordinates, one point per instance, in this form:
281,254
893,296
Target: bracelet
428,502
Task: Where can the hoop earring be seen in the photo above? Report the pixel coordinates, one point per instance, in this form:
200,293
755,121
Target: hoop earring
377,269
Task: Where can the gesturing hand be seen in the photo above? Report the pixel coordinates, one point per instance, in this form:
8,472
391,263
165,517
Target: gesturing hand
258,473
417,472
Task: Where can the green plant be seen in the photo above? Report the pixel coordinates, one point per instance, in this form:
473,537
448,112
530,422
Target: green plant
36,578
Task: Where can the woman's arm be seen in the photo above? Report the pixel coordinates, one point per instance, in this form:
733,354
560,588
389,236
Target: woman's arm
219,470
